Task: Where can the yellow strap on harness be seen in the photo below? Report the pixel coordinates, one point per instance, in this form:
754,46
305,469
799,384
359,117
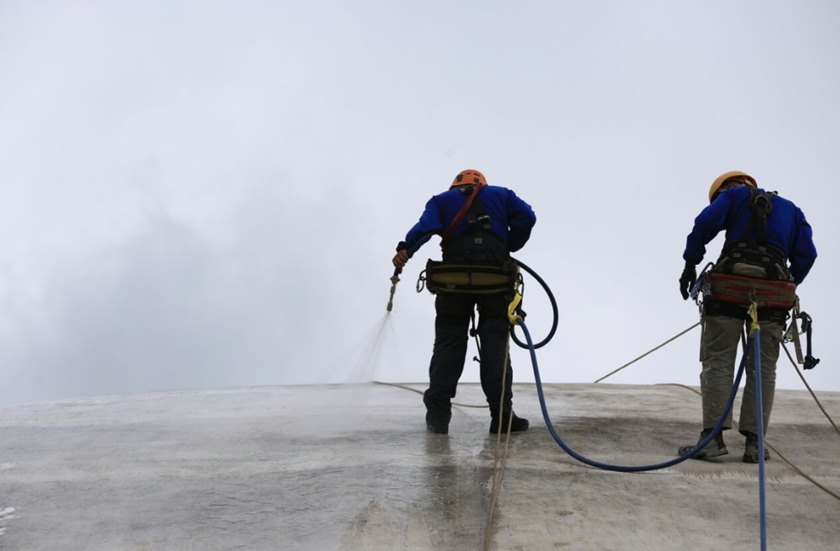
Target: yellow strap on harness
753,312
513,317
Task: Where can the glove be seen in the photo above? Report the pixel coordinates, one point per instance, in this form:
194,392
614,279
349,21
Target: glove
400,260
687,279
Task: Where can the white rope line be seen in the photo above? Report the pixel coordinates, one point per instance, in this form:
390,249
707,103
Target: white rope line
499,472
648,352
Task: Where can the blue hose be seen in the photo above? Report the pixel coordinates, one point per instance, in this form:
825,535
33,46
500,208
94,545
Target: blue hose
621,468
759,416
555,314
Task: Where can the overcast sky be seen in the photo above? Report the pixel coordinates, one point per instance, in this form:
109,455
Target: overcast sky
202,194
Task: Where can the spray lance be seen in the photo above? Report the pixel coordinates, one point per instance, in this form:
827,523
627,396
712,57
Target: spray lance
394,280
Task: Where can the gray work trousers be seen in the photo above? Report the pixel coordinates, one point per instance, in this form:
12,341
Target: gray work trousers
718,352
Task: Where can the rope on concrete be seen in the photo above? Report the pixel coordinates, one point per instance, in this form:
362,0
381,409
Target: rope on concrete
420,392
631,362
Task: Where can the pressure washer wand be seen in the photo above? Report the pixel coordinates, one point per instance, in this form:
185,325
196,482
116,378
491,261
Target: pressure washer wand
394,280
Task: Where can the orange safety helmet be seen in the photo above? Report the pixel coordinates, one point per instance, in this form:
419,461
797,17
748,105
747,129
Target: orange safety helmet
469,177
731,175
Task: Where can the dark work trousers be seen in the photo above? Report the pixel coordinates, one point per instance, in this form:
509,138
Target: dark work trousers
452,322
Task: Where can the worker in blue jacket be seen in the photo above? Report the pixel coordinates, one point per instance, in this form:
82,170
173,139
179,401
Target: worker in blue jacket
767,238
478,224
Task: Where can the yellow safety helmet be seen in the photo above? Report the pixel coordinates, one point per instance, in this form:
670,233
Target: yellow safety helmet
724,178
469,177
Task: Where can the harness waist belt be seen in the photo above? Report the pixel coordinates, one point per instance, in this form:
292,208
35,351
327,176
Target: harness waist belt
769,293
476,279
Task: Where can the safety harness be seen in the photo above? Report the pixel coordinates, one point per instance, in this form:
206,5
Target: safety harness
473,279
475,261
749,272
750,269
738,289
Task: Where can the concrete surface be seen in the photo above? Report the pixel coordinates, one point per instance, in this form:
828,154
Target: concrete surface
352,468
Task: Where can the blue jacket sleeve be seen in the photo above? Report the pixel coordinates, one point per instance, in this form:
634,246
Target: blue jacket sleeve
521,219
707,225
430,223
803,253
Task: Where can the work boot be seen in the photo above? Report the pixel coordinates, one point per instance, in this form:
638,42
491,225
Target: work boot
436,427
517,424
437,415
751,448
715,448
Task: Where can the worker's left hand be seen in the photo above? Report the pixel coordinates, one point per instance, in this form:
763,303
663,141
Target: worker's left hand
401,258
687,279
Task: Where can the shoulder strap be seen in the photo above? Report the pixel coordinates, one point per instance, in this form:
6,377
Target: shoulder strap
477,216
761,203
460,214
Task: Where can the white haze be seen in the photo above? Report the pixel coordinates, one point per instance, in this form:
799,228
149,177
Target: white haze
208,194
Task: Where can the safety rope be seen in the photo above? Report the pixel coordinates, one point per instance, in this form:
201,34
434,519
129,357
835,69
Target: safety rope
420,392
499,471
631,362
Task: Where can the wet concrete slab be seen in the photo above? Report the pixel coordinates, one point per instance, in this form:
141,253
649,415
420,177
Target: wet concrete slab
351,467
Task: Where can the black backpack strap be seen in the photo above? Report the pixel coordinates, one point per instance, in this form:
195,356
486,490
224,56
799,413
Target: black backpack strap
477,216
761,203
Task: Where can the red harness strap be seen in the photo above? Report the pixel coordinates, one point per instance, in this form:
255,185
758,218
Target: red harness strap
770,293
460,214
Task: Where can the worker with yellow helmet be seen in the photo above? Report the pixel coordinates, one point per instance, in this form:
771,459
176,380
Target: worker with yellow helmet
769,242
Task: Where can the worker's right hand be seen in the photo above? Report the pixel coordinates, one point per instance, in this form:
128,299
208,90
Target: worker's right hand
687,279
401,258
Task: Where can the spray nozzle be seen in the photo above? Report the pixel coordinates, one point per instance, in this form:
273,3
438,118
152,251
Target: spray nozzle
394,280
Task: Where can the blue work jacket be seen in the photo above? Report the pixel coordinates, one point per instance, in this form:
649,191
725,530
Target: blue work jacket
511,218
787,229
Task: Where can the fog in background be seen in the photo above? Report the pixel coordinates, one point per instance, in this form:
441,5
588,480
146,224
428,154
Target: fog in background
208,194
